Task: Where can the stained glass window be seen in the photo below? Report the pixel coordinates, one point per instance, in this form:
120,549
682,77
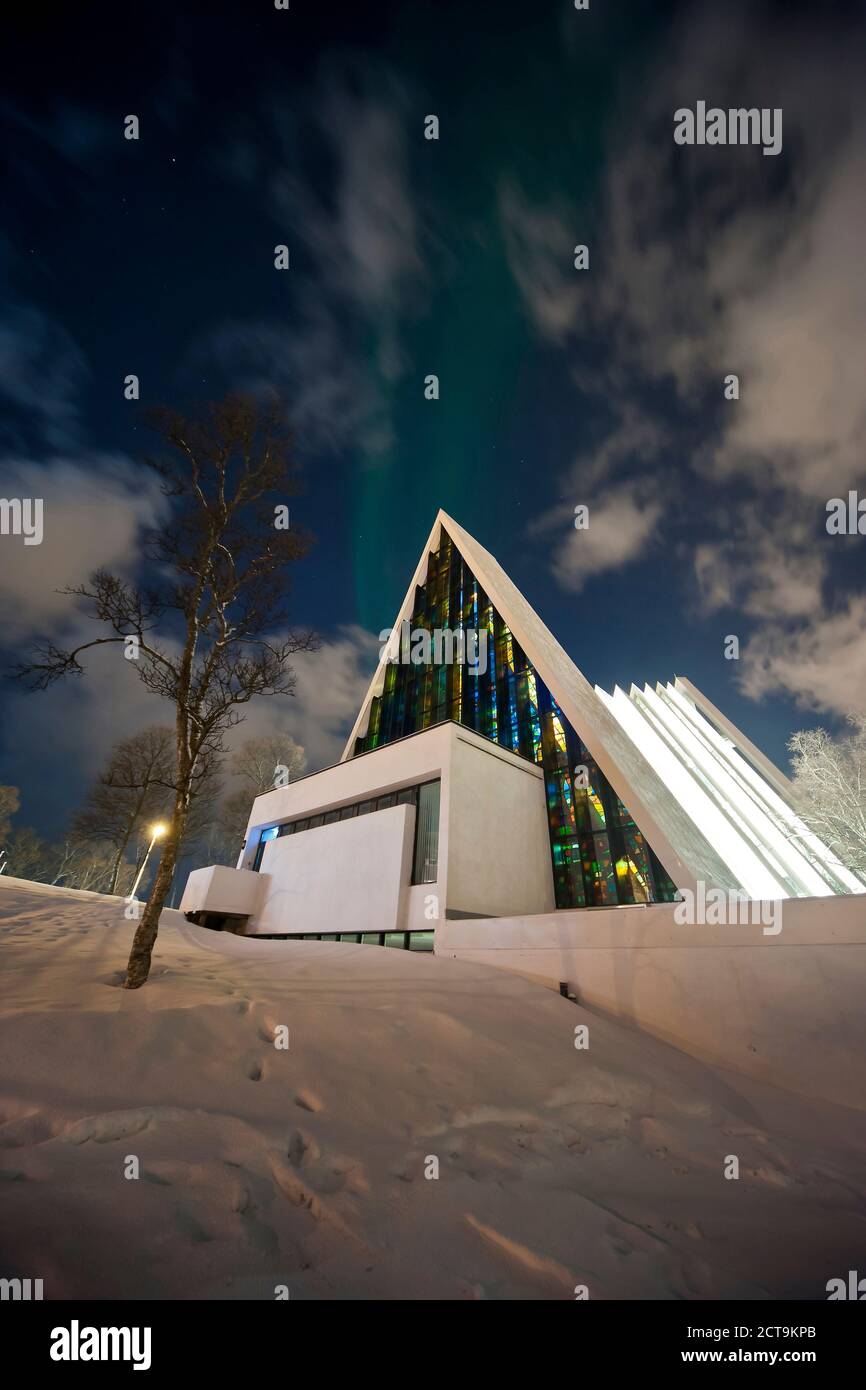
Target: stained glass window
599,856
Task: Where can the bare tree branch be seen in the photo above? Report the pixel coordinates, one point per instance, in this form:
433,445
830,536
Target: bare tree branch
211,626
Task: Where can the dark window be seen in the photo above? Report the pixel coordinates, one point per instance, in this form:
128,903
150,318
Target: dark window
395,938
424,797
372,938
426,866
350,936
420,940
266,835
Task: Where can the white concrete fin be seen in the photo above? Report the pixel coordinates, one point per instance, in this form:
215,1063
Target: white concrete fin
685,852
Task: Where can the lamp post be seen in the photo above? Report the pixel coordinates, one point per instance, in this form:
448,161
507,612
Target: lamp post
156,833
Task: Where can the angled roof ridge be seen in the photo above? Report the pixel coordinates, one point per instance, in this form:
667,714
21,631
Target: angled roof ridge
773,774
683,850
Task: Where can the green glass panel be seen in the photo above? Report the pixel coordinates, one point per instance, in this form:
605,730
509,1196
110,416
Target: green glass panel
420,941
598,855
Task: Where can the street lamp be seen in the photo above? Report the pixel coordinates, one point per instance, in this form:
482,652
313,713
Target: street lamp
156,833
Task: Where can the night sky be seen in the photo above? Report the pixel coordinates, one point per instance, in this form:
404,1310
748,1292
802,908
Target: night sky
455,257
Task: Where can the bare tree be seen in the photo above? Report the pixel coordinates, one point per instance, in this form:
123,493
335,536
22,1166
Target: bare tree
74,863
204,629
89,866
830,788
10,800
260,762
224,837
135,786
29,855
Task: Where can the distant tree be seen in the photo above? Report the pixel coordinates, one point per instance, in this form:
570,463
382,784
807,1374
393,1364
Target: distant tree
83,864
90,866
135,787
203,625
10,800
28,855
260,764
830,789
224,836
259,761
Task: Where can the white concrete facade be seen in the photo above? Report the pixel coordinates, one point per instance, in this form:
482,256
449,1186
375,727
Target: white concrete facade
355,875
714,775
354,871
786,1008
781,1004
714,810
221,890
679,842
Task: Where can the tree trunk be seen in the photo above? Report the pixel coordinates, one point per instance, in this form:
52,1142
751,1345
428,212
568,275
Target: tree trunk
130,826
138,965
115,869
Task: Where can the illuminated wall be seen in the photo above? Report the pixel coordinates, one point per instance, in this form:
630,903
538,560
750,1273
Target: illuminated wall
754,825
599,855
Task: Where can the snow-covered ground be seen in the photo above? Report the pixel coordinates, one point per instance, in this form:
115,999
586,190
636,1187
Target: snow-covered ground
306,1167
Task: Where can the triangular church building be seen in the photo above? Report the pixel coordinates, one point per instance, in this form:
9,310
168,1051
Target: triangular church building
485,778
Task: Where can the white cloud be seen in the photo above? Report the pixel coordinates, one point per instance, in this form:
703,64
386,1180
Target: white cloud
331,683
93,516
539,244
622,525
821,664
63,735
60,738
362,249
707,261
42,372
769,566
798,340
713,266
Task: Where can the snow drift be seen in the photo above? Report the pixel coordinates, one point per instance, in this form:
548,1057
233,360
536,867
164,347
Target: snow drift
305,1167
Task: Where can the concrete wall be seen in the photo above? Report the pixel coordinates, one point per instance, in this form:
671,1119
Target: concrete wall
350,876
498,842
401,764
220,889
494,850
422,900
789,1009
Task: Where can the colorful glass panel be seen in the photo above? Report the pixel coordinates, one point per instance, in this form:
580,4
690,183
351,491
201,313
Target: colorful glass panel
599,856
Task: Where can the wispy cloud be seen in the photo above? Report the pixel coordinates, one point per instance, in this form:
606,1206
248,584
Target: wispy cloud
710,261
622,526
331,684
94,512
821,663
42,373
355,239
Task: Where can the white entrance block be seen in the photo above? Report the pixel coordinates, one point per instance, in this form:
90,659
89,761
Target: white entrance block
232,892
352,875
